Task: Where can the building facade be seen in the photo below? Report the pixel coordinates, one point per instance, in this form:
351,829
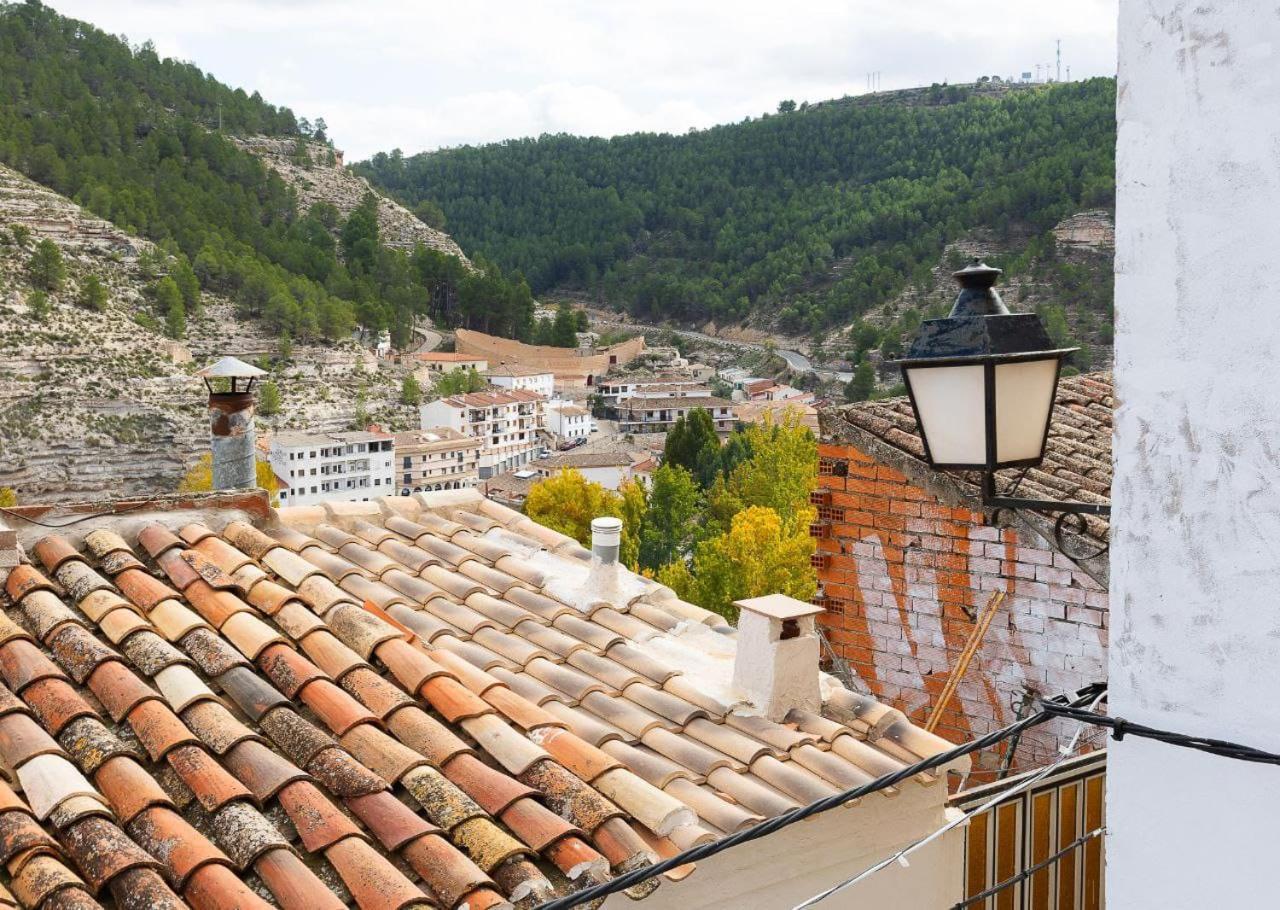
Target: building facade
908,561
511,426
440,362
436,459
616,390
513,377
568,423
657,415
609,469
332,467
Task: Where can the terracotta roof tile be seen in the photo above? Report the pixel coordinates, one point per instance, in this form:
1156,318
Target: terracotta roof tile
562,733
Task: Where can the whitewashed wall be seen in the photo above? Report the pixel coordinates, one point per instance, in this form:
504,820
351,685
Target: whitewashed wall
1195,640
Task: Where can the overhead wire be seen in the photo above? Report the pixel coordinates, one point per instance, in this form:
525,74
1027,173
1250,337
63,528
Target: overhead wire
900,857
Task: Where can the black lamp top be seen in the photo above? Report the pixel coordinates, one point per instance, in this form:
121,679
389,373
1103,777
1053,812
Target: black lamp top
978,296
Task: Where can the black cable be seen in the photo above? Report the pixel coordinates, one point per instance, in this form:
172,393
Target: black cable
1027,873
1120,728
76,519
765,828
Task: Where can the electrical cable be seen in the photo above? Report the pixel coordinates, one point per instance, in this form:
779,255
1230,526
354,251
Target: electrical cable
1078,708
76,519
1030,871
626,880
901,856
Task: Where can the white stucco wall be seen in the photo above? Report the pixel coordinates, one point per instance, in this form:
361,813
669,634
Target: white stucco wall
793,864
1195,641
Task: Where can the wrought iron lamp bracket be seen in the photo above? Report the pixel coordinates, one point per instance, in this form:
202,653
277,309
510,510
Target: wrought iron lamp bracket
1070,515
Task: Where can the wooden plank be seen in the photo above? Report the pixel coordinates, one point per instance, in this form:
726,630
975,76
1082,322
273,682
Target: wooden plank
971,646
1093,790
1008,850
1041,832
978,854
1068,830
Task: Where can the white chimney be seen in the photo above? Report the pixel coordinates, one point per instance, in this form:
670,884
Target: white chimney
606,539
776,664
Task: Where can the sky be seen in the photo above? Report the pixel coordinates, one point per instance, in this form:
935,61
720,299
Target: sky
419,76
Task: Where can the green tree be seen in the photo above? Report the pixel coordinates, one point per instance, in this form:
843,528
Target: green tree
758,555
862,384
168,300
38,305
284,347
429,213
21,234
632,510
779,474
46,267
669,522
455,382
188,284
568,501
689,439
410,390
93,294
269,399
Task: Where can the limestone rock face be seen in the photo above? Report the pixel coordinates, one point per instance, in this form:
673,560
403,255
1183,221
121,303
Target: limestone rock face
94,404
324,179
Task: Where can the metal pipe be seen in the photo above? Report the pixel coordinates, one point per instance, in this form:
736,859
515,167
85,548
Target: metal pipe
606,539
232,440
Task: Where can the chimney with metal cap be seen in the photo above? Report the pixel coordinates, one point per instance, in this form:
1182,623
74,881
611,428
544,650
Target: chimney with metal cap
776,663
606,539
231,436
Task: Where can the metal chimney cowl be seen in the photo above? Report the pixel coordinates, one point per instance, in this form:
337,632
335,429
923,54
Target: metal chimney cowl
606,539
231,433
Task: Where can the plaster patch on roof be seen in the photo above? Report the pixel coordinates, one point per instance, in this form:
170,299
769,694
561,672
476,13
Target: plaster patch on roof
704,656
582,586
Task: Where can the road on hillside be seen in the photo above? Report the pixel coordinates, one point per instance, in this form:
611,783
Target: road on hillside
798,362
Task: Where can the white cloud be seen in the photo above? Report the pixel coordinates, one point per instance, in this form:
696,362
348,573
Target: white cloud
414,75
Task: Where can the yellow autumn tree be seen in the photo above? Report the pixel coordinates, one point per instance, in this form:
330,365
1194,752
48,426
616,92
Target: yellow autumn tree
8,498
758,555
779,475
199,479
568,501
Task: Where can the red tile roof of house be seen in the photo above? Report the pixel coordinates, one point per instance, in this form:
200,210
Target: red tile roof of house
414,702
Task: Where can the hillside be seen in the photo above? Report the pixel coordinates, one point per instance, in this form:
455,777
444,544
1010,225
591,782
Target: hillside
149,144
93,401
798,222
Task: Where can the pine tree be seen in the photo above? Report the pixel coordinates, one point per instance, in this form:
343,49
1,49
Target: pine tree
46,267
410,391
269,399
93,294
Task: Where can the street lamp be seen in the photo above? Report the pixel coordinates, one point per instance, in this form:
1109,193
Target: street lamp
982,384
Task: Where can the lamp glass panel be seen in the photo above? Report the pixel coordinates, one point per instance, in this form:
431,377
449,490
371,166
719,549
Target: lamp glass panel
950,405
1024,401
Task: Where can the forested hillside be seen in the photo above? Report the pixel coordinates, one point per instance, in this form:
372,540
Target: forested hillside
142,141
806,219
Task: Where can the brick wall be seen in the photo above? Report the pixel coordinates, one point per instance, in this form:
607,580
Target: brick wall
904,575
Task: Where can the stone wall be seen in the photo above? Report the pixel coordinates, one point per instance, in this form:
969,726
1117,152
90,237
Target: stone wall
905,572
571,366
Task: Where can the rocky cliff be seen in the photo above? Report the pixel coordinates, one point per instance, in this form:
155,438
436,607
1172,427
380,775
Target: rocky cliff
319,176
93,402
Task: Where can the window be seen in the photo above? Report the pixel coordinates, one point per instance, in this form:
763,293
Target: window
313,489
408,462
408,478
313,453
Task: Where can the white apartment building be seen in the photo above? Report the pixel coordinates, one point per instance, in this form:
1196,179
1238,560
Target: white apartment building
567,422
510,425
436,459
512,376
329,467
614,391
441,362
657,415
609,469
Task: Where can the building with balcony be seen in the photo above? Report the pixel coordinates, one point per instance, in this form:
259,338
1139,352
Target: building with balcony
616,390
509,424
332,467
436,459
657,415
568,422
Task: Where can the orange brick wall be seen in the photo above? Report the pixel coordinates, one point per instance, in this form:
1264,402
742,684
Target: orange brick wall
903,577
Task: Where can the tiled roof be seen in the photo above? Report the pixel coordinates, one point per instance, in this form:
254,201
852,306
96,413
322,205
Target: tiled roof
448,357
584,460
1077,462
414,702
490,399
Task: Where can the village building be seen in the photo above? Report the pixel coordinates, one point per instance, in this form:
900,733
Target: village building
515,376
609,469
438,458
779,411
908,561
509,424
440,362
617,389
332,467
657,415
568,422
